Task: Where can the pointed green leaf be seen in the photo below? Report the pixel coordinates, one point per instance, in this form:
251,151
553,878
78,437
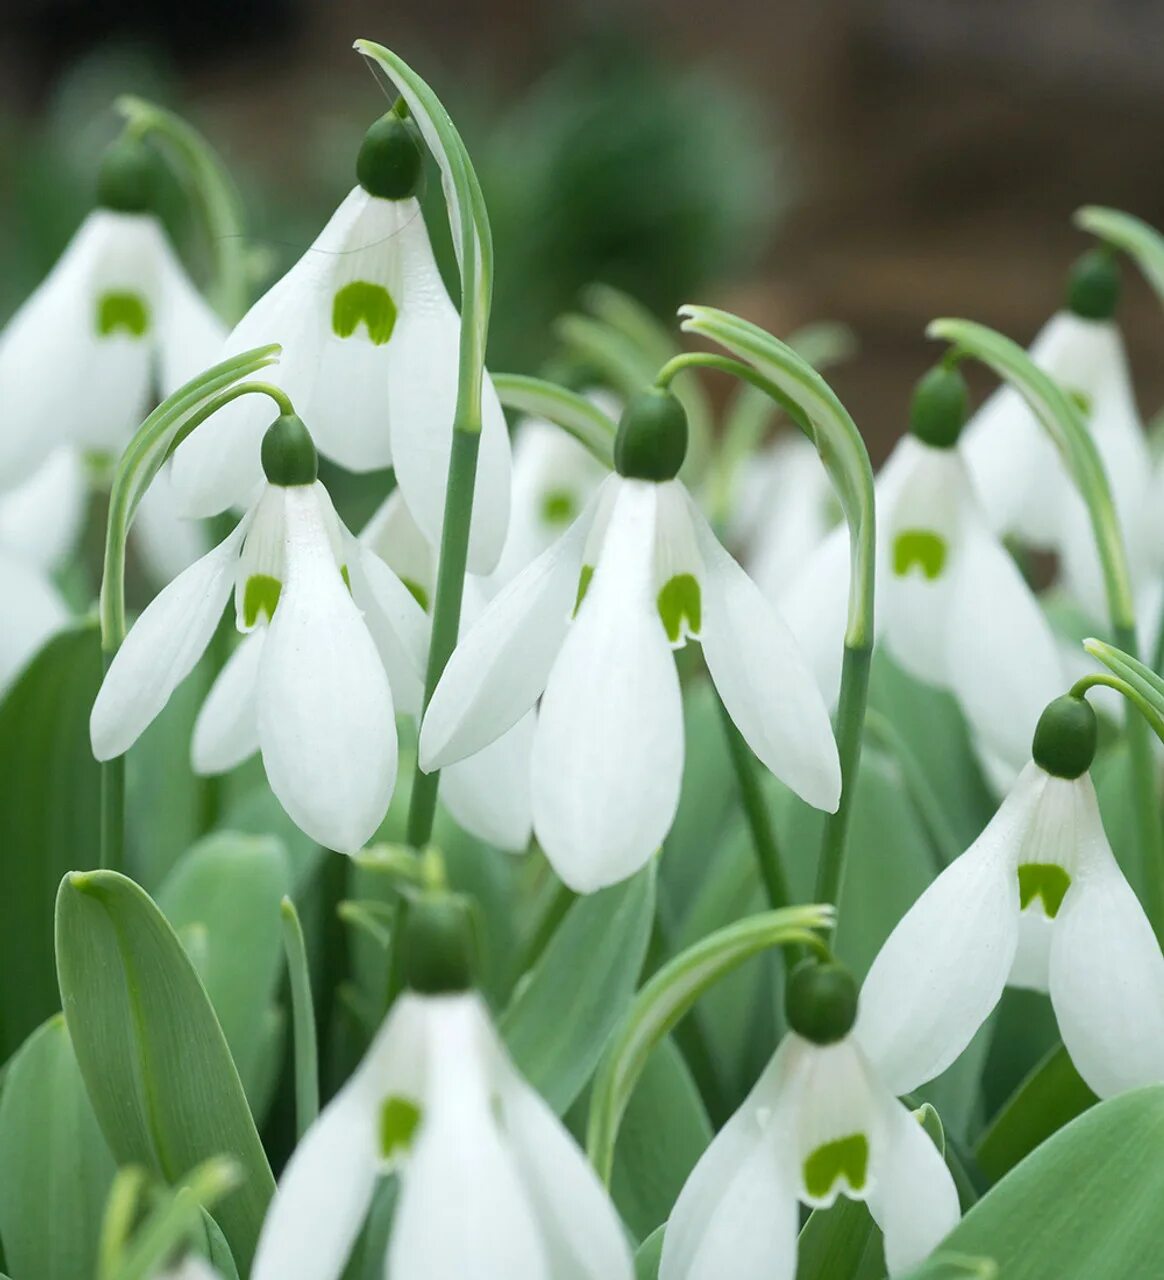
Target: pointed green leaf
151,1051
584,420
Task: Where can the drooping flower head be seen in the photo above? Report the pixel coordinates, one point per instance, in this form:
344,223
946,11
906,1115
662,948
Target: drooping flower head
491,1184
821,1121
370,344
328,625
589,627
116,321
1038,901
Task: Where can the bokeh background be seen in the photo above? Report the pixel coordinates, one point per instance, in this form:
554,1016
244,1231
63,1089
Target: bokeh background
875,162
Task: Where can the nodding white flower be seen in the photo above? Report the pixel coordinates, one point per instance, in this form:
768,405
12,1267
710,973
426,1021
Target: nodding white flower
590,627
1037,901
821,1121
952,606
191,1267
39,523
370,356
1020,474
116,320
553,478
488,793
329,625
491,1184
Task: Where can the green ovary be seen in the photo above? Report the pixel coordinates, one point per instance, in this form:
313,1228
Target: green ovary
680,599
919,547
1045,880
559,507
363,302
261,595
846,1158
399,1119
122,312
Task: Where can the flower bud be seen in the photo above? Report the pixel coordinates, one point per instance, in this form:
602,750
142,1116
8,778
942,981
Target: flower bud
820,1001
1093,288
127,181
1065,737
940,407
438,944
652,437
389,164
288,453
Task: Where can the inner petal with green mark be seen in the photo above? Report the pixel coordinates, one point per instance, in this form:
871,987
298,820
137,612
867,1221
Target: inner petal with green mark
260,596
361,302
846,1159
919,547
559,507
418,593
583,586
1082,402
679,602
399,1118
1045,880
119,312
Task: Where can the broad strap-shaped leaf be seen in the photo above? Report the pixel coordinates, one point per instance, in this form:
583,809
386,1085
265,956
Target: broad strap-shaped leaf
561,1019
50,804
152,1053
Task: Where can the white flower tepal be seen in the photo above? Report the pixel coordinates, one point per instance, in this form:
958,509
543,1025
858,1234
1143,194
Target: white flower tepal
492,1185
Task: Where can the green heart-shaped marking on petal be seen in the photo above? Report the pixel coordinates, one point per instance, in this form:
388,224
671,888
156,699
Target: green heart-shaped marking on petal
125,312
559,506
680,598
1046,880
583,586
399,1119
920,547
261,595
370,303
846,1158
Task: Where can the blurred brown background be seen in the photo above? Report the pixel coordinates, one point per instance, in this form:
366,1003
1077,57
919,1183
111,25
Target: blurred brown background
905,158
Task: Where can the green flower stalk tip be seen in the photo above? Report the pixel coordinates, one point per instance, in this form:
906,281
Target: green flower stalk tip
940,406
652,437
1065,737
288,453
438,944
820,1001
127,181
389,164
1093,287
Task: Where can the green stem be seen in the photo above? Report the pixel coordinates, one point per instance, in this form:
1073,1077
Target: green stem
850,729
756,810
302,1020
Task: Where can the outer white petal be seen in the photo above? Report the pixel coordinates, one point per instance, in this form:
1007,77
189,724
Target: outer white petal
815,606
913,1197
398,624
165,541
422,394
41,519
1106,970
190,335
33,613
762,677
489,793
463,1210
326,721
736,1215
944,966
608,752
227,729
580,1229
392,534
502,662
162,648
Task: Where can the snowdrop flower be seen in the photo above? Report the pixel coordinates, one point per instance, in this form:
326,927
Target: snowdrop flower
116,320
952,606
823,1120
310,684
190,1268
491,1184
1037,901
1025,486
370,344
487,794
589,627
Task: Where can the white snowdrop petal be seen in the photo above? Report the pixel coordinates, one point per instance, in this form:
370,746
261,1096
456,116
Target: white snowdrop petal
326,721
226,731
815,605
162,648
33,613
765,683
190,335
40,519
165,541
608,751
489,793
398,624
